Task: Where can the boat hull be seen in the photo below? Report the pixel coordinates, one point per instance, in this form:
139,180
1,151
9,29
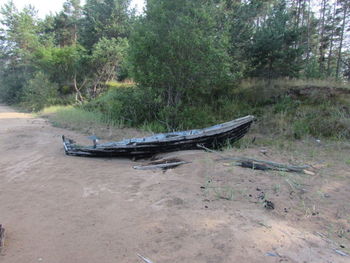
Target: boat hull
212,137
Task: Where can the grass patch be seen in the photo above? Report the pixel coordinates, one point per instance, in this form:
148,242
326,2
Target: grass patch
117,84
77,118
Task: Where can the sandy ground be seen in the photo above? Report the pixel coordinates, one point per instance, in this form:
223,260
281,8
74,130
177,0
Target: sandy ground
61,209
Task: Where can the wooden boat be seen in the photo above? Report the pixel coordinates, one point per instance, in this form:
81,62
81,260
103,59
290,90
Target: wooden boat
211,137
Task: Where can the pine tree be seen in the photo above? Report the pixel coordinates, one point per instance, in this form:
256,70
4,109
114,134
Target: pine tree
345,5
274,51
66,23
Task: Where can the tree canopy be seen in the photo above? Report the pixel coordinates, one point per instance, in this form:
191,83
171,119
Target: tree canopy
183,52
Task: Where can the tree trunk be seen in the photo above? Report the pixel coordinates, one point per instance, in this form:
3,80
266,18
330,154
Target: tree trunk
308,32
332,42
345,9
78,97
322,58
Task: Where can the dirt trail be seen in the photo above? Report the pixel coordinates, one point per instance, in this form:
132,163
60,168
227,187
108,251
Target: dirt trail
61,209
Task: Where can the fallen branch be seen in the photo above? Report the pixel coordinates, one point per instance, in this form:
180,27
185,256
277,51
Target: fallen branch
268,165
144,259
2,237
162,166
261,164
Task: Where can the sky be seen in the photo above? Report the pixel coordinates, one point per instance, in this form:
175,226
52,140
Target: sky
45,7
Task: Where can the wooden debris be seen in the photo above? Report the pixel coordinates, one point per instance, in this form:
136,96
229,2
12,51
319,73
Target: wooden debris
144,259
256,164
2,237
162,166
341,253
268,165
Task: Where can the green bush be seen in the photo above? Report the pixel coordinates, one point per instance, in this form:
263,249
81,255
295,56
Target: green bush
133,106
39,92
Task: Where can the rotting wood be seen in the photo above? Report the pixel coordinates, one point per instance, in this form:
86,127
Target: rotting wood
214,136
2,237
268,165
256,164
159,166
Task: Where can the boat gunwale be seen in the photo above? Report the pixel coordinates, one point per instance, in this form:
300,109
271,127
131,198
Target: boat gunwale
209,131
221,131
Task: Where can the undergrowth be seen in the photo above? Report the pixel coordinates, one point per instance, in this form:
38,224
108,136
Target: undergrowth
291,109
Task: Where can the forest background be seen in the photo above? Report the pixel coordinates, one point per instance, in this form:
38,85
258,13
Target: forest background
183,64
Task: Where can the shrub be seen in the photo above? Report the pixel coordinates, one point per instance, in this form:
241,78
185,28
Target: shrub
133,106
39,92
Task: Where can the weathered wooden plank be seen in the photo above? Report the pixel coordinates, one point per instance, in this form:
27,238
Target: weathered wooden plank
214,136
159,166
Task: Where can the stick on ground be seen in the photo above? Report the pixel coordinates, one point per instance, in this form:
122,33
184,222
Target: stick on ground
2,237
256,164
159,166
144,259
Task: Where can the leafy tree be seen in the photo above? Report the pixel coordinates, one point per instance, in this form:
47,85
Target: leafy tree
177,49
105,18
18,31
108,56
65,66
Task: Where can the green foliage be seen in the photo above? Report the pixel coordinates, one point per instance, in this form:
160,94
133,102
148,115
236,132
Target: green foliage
65,66
240,18
177,50
66,23
19,28
312,70
119,104
39,92
61,63
286,104
107,62
105,19
18,39
191,63
273,53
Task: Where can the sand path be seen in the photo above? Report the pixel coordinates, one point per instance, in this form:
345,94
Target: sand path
61,209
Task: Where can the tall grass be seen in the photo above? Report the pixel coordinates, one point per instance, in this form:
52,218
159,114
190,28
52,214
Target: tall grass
77,118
